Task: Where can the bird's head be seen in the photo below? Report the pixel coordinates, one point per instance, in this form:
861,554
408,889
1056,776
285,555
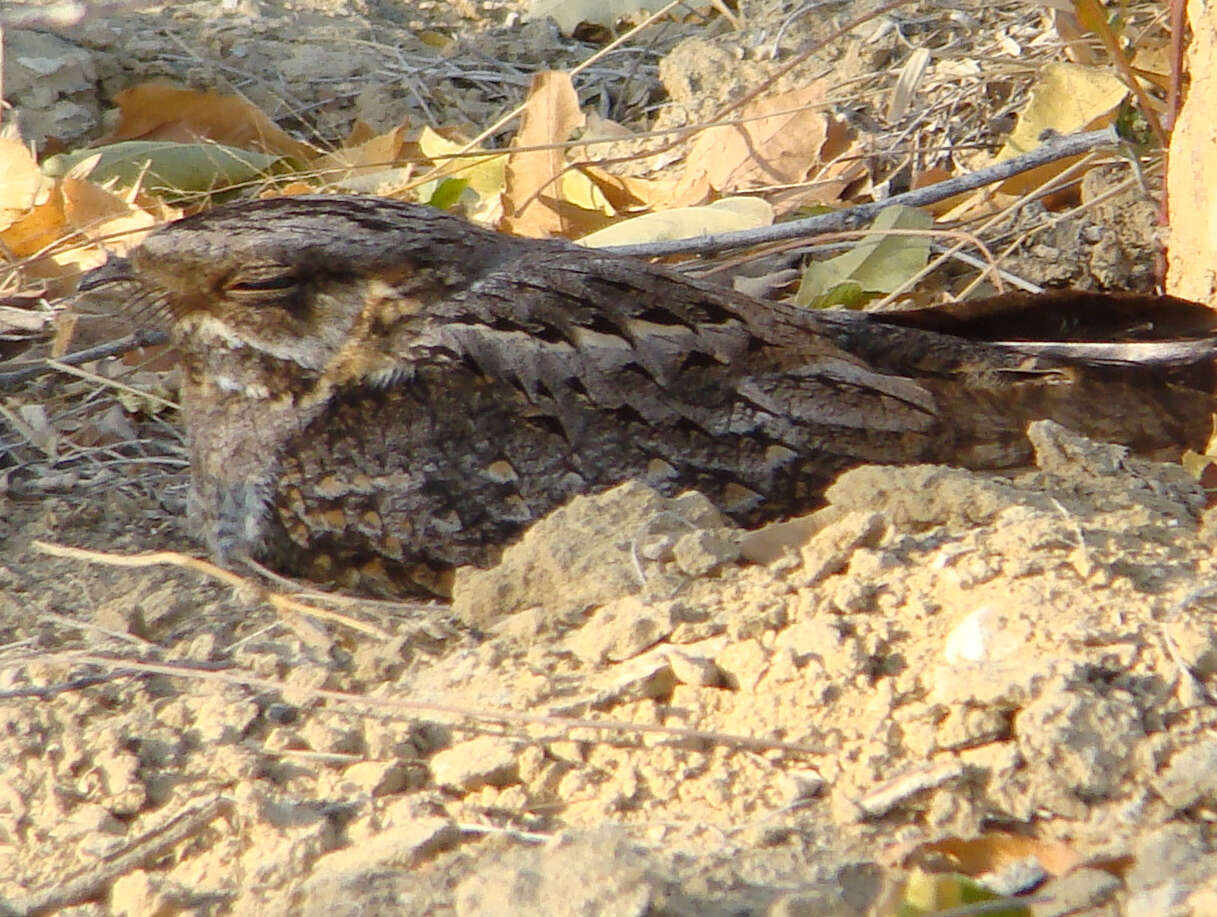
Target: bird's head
297,278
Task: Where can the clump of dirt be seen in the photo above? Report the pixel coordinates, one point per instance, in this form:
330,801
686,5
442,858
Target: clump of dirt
946,653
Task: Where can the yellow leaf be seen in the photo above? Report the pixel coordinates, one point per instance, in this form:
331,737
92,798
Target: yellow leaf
727,215
485,174
880,263
580,190
362,156
1067,98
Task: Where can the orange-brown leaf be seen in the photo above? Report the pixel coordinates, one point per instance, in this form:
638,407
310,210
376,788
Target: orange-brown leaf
532,194
155,111
23,184
777,141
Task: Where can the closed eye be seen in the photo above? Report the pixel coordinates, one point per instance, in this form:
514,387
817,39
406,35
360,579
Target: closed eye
263,284
273,283
256,280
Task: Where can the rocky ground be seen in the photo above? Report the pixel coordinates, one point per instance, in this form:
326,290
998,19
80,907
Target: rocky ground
640,710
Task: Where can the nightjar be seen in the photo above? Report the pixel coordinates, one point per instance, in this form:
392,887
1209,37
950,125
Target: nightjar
375,391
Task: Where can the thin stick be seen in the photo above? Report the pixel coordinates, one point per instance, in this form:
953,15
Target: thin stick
109,349
146,849
853,217
110,383
281,603
380,705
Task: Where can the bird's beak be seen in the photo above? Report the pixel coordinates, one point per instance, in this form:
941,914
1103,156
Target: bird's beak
116,270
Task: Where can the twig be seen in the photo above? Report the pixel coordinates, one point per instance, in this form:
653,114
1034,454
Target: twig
281,603
111,383
45,692
146,849
853,217
109,349
383,706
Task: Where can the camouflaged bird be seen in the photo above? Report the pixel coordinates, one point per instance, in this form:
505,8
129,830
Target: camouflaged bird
375,391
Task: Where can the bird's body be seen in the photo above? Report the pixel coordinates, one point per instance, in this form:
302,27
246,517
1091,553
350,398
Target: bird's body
373,389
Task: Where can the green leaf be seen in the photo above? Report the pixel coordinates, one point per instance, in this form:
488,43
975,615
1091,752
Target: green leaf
447,192
848,295
877,265
169,168
951,893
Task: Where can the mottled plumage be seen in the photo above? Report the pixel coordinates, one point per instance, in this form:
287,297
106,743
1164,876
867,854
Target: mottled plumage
375,391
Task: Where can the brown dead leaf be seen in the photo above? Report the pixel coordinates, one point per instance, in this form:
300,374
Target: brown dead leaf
72,231
114,225
1076,39
361,132
23,186
532,193
15,322
777,141
1066,98
1152,64
108,220
369,155
36,236
291,188
155,111
840,166
1191,173
37,229
933,176
990,852
626,193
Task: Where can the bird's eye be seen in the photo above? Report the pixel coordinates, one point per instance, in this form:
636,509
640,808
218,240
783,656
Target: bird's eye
254,283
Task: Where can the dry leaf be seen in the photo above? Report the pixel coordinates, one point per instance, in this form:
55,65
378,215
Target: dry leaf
63,235
1191,173
777,141
905,90
361,132
933,176
839,167
1152,63
155,111
625,192
23,186
291,188
111,222
485,175
551,113
727,215
36,230
14,322
1066,98
1077,40
580,191
991,852
367,155
600,128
